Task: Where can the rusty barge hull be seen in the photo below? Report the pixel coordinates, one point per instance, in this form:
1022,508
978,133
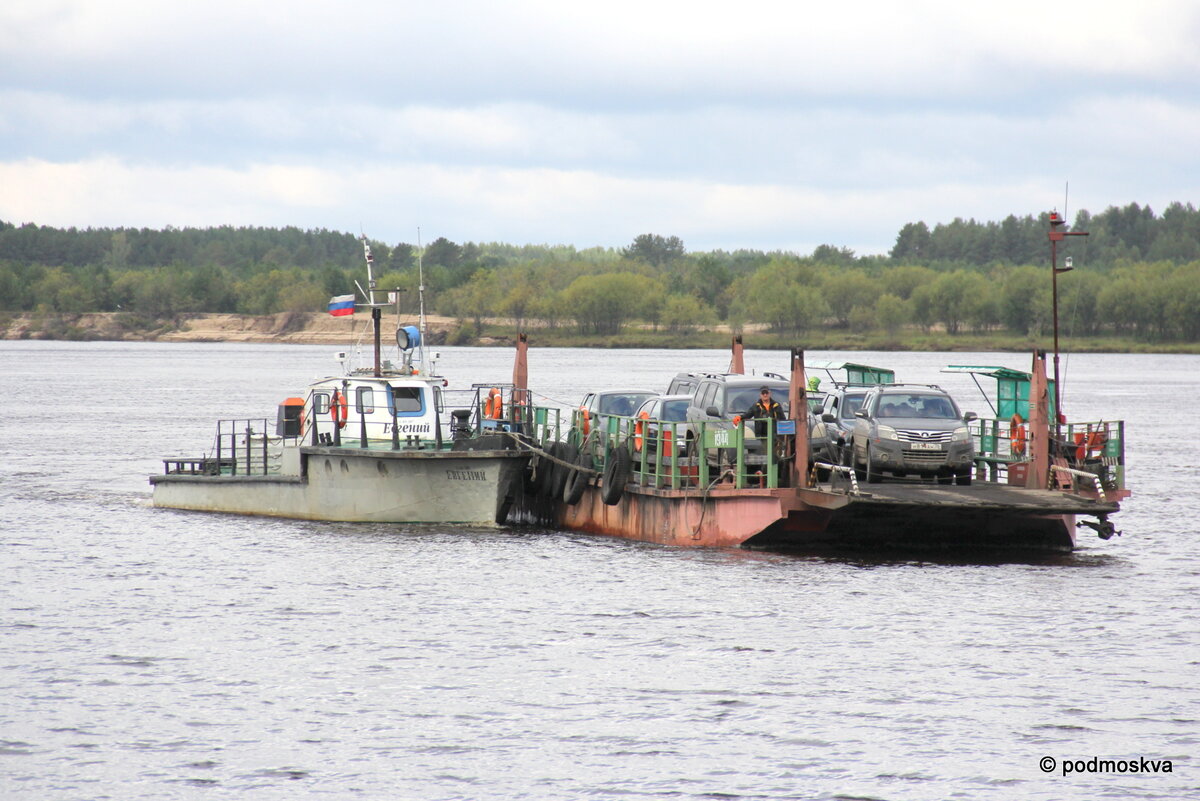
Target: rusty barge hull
901,517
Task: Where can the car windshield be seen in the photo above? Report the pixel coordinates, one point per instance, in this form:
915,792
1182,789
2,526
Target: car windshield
937,407
622,405
739,401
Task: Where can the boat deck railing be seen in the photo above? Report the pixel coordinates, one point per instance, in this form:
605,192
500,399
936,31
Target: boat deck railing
1088,448
1089,457
249,447
689,455
461,414
241,447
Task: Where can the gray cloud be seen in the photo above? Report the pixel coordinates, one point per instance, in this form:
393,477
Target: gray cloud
772,126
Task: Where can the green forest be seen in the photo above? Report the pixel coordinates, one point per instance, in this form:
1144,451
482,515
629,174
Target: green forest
1135,281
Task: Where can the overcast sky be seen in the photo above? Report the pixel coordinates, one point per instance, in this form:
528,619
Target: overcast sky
766,125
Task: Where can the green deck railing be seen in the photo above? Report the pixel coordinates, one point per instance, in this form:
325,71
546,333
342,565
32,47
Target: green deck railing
677,455
1094,447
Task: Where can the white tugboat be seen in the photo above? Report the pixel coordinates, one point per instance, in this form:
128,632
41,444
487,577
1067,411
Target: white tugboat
384,444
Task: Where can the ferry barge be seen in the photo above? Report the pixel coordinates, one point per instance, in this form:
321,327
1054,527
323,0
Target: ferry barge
1032,479
717,494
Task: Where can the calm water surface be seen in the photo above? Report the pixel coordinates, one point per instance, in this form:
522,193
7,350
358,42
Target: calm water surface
157,654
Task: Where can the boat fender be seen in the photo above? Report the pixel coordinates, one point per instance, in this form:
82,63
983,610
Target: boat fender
544,471
617,472
1016,434
639,430
559,473
551,474
577,481
339,409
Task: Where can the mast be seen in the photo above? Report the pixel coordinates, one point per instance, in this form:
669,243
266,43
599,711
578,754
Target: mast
736,363
1056,236
421,301
798,409
376,311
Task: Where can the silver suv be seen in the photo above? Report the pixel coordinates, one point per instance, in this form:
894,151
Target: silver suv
912,428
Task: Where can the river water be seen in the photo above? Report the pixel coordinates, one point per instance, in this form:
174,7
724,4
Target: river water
158,654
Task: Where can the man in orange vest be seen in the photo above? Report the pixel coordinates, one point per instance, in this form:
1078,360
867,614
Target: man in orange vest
765,408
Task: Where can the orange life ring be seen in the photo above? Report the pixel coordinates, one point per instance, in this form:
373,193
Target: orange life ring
638,430
1016,435
339,409
493,409
585,420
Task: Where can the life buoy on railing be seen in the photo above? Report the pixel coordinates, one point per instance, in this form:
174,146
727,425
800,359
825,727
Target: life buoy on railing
639,430
585,420
493,408
339,409
1016,435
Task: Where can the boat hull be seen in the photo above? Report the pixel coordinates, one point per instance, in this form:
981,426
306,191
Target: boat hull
363,486
895,518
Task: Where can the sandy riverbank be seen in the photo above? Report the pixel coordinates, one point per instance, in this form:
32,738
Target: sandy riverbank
293,327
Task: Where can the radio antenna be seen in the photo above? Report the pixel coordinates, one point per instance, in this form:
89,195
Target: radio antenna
421,298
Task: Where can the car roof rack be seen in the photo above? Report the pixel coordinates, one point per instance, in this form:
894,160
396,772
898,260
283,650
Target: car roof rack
901,384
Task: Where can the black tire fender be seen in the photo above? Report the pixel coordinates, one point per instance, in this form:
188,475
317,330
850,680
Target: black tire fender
577,480
548,470
560,472
617,472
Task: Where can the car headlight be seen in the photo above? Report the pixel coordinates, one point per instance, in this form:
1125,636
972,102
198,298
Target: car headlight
962,434
886,432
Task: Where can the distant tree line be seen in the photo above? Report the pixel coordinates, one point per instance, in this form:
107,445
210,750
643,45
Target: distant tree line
1137,274
1132,233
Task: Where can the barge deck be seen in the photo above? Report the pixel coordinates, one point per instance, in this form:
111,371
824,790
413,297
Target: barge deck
711,492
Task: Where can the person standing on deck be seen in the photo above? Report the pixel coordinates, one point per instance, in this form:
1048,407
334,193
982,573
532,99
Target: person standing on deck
765,408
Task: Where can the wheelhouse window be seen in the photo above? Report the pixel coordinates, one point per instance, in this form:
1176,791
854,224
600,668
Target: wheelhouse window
364,400
320,402
408,400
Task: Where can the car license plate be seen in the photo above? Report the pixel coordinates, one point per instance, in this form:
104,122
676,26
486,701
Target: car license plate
926,446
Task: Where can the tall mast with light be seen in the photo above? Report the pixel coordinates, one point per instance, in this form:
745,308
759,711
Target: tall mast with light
1057,234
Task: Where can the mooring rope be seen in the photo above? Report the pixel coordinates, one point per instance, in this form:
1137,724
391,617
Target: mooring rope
551,457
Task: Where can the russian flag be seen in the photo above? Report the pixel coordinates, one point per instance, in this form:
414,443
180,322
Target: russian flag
341,305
